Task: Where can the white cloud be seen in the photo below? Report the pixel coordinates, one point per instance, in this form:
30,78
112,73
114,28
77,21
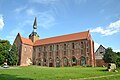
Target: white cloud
1,22
111,29
116,50
96,45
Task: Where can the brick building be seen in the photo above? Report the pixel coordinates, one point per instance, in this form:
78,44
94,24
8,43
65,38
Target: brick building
67,50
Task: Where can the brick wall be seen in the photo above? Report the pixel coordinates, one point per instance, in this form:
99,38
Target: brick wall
66,55
26,55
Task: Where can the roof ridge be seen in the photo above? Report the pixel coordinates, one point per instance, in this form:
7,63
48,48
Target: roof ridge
62,38
63,35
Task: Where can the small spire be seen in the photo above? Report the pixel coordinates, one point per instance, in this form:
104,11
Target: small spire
35,24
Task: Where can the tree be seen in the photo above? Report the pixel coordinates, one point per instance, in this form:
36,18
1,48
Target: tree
4,50
110,56
118,59
13,55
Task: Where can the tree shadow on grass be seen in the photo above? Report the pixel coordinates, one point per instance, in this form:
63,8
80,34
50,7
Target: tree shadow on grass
12,77
104,70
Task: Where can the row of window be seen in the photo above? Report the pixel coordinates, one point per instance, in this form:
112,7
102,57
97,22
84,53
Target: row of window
65,47
65,53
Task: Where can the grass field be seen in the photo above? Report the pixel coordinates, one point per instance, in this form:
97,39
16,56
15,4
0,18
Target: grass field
62,73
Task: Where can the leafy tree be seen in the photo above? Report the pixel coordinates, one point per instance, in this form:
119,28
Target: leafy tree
118,59
4,50
118,54
13,55
1,59
110,56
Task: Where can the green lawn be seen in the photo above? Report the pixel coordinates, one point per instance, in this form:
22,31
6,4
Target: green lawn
62,73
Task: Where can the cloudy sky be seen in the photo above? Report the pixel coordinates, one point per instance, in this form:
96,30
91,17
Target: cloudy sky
59,17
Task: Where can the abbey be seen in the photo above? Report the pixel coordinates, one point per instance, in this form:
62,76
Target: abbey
66,50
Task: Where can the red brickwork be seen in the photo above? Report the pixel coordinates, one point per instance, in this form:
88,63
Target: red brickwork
25,50
100,62
67,50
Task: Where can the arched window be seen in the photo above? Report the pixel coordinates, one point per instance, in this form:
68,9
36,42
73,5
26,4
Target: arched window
44,61
65,61
82,61
50,62
39,61
74,61
57,62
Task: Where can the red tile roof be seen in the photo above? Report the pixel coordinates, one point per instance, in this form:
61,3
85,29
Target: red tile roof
64,38
26,41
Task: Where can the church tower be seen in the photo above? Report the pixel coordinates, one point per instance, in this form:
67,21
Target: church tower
34,36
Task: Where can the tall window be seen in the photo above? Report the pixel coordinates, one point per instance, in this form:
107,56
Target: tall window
82,45
64,46
44,48
65,62
50,47
44,62
57,47
73,46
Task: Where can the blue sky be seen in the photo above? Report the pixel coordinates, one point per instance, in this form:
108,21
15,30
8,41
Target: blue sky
59,17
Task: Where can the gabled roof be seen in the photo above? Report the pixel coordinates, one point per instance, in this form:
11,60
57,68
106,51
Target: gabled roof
64,38
100,47
24,40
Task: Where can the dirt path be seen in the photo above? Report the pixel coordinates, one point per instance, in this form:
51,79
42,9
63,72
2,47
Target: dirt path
96,77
